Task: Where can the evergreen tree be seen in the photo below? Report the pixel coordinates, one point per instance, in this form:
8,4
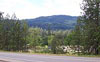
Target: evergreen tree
91,25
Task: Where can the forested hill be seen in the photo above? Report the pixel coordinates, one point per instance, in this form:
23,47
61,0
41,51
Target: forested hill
53,22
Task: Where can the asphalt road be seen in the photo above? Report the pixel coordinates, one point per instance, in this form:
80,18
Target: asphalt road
19,57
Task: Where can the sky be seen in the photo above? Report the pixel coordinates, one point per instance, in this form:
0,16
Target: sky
35,8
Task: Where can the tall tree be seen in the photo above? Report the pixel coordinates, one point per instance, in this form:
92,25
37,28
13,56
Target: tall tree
91,25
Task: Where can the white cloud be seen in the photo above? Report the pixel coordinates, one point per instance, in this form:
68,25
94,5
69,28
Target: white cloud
69,7
27,9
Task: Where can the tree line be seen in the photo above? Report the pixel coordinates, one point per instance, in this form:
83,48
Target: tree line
12,33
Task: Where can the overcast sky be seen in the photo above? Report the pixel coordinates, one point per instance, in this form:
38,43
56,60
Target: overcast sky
35,8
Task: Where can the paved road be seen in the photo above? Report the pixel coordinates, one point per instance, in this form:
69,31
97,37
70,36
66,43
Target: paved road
19,57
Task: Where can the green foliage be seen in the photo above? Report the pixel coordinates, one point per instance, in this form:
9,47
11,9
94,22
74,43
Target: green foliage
13,34
69,39
34,37
88,27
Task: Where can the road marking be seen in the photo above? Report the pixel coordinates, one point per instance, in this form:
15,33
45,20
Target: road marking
9,60
18,59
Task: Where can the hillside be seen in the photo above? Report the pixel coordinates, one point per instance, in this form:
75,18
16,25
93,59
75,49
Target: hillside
53,22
